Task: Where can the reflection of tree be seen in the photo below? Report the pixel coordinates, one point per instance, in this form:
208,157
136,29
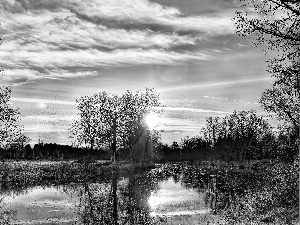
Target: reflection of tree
137,194
6,216
95,204
117,203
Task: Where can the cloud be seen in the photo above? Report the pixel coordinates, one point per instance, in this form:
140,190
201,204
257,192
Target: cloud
146,12
43,128
64,29
130,12
52,118
192,110
20,74
44,39
91,59
45,101
206,85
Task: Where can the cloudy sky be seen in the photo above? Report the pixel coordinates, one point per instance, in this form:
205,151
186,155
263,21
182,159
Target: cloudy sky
55,51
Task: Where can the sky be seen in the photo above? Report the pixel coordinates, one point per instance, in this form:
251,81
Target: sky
55,51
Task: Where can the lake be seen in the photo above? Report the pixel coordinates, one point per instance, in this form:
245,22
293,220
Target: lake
150,197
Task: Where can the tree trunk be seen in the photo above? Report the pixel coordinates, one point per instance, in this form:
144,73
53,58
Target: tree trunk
114,142
92,144
115,198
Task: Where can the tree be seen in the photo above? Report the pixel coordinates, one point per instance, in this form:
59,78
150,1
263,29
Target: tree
277,24
237,135
11,133
114,121
286,148
283,98
89,129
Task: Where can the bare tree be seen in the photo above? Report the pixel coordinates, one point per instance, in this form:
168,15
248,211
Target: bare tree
275,22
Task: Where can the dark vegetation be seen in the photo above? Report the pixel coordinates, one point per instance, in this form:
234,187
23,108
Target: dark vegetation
52,152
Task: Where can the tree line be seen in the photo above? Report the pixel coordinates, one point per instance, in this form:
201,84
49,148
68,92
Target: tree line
52,151
240,136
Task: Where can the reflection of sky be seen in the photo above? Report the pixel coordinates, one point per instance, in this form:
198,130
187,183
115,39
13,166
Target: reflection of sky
58,50
42,205
59,204
174,199
40,195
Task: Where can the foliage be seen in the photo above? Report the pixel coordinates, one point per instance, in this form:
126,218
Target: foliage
241,135
275,22
11,133
237,135
53,151
283,98
287,142
103,117
10,130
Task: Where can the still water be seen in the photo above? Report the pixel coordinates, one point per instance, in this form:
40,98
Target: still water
143,198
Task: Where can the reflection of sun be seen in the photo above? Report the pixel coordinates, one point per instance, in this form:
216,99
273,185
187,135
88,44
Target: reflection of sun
41,105
154,201
152,120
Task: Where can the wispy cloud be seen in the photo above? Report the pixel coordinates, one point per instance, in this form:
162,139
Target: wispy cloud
43,128
49,118
146,12
64,29
93,59
217,84
45,101
192,110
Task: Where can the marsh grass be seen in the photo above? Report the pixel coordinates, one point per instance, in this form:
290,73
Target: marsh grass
273,198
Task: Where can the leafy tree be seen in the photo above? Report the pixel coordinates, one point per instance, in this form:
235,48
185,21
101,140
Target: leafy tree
191,143
88,129
114,121
11,133
212,130
286,148
276,23
238,134
283,98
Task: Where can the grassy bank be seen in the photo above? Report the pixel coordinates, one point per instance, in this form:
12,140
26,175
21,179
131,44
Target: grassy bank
16,175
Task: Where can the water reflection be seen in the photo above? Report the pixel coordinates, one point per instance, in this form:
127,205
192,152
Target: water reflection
39,205
137,198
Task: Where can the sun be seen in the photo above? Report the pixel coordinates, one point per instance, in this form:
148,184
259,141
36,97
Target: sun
152,120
